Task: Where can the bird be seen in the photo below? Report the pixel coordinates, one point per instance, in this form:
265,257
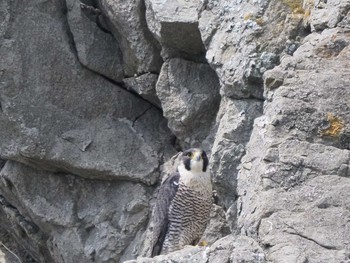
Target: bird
183,204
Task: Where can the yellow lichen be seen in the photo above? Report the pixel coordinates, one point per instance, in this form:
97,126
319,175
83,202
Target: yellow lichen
260,21
247,16
335,126
295,5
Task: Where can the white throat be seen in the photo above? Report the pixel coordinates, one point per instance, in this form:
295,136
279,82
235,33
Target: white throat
196,178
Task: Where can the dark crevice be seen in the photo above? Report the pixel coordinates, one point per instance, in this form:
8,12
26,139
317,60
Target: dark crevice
117,83
308,238
71,41
139,74
122,85
94,14
251,97
18,237
149,36
140,115
314,241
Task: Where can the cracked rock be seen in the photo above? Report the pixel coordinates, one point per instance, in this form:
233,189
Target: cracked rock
140,51
175,25
189,93
145,86
71,214
97,50
60,116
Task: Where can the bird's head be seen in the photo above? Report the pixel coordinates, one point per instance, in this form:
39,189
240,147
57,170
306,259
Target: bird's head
195,160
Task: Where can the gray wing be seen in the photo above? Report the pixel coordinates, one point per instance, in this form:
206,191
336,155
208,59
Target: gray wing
165,196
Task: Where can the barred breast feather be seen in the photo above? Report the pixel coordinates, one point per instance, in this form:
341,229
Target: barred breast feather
181,214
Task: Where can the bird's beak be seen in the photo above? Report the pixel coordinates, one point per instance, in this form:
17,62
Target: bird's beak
197,156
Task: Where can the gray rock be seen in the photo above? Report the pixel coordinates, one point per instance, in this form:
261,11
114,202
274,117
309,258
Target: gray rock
141,52
217,226
175,25
96,50
189,93
228,249
236,249
145,86
85,115
235,123
72,214
244,39
327,14
293,177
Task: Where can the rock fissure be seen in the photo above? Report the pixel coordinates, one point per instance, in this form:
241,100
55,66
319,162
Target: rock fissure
312,240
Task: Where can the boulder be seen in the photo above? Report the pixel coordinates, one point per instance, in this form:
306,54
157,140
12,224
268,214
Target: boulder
175,25
189,94
140,50
97,50
235,122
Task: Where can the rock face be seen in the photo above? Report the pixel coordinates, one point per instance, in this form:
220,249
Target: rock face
92,109
189,93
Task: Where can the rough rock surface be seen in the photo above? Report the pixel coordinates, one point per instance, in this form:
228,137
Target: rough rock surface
228,249
302,166
97,50
145,86
245,38
141,52
54,207
175,25
90,116
189,93
85,115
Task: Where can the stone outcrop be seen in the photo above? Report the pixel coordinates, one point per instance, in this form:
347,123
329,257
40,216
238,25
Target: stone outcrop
189,94
97,98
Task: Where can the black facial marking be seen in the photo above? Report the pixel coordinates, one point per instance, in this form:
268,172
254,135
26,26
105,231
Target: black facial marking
186,159
205,161
187,163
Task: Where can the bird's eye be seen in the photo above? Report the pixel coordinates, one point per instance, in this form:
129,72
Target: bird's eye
189,154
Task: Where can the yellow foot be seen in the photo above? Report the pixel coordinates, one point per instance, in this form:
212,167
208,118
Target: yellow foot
203,243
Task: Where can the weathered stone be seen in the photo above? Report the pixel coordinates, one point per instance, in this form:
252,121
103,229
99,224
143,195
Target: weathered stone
327,14
188,254
93,136
96,50
291,196
141,52
74,214
243,39
236,249
189,93
228,249
145,86
175,25
217,226
235,123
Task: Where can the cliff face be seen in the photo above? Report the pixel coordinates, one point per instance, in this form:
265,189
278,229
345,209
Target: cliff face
92,107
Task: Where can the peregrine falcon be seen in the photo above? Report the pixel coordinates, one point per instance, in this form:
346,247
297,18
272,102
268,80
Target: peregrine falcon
183,204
